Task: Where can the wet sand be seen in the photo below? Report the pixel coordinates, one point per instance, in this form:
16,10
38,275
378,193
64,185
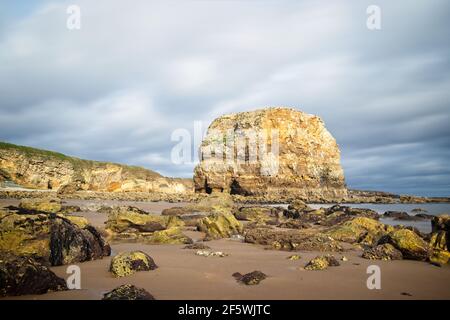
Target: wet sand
183,275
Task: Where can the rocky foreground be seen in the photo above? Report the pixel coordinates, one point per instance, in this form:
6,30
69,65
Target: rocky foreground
39,237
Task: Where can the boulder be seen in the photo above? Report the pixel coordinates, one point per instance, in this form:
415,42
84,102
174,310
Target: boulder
359,230
322,262
294,257
127,263
408,243
52,238
128,292
251,278
172,235
440,240
40,205
219,225
20,275
291,239
259,214
382,252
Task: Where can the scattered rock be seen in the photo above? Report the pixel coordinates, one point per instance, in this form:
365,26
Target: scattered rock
219,225
409,243
53,238
127,263
128,292
20,275
440,240
359,230
322,262
382,252
197,246
251,278
344,258
207,253
294,257
40,205
279,239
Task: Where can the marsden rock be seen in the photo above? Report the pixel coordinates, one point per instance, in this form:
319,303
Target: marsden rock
52,238
24,275
306,164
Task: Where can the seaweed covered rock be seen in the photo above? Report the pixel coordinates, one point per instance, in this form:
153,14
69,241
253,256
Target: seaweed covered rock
217,202
173,235
127,263
322,262
408,243
259,214
279,239
219,225
20,275
197,246
251,278
40,205
382,252
53,238
440,240
359,230
131,225
128,292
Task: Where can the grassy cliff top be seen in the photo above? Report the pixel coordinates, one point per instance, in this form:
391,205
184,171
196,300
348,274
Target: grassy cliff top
76,162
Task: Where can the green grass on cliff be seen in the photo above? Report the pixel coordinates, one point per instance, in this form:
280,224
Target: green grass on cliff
76,162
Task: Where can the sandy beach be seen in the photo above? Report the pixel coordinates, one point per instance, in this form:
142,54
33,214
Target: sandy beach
183,275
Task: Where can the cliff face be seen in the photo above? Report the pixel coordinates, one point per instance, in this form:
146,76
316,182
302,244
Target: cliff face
43,169
239,155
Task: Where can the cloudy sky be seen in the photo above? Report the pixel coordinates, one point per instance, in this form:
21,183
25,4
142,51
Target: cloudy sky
117,88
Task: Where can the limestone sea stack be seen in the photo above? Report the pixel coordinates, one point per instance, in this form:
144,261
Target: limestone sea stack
277,153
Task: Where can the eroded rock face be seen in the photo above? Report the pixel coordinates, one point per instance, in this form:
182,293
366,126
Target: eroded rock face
307,165
24,275
44,169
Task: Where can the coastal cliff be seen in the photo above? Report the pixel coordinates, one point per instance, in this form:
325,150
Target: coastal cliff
304,164
41,169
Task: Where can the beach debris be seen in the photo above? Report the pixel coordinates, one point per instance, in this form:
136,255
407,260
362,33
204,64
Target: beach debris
411,245
20,275
251,278
382,252
128,292
344,258
322,262
207,253
197,246
127,263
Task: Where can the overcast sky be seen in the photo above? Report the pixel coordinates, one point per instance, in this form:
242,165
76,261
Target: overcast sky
116,89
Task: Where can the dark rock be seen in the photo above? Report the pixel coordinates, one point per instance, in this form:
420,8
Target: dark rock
128,292
20,275
322,262
382,252
197,246
251,278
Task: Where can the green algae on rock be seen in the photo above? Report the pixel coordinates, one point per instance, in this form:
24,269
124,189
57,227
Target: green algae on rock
44,205
220,225
127,263
322,262
359,230
128,292
409,243
382,252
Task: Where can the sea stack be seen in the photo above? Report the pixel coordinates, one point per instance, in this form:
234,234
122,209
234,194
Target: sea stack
277,153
